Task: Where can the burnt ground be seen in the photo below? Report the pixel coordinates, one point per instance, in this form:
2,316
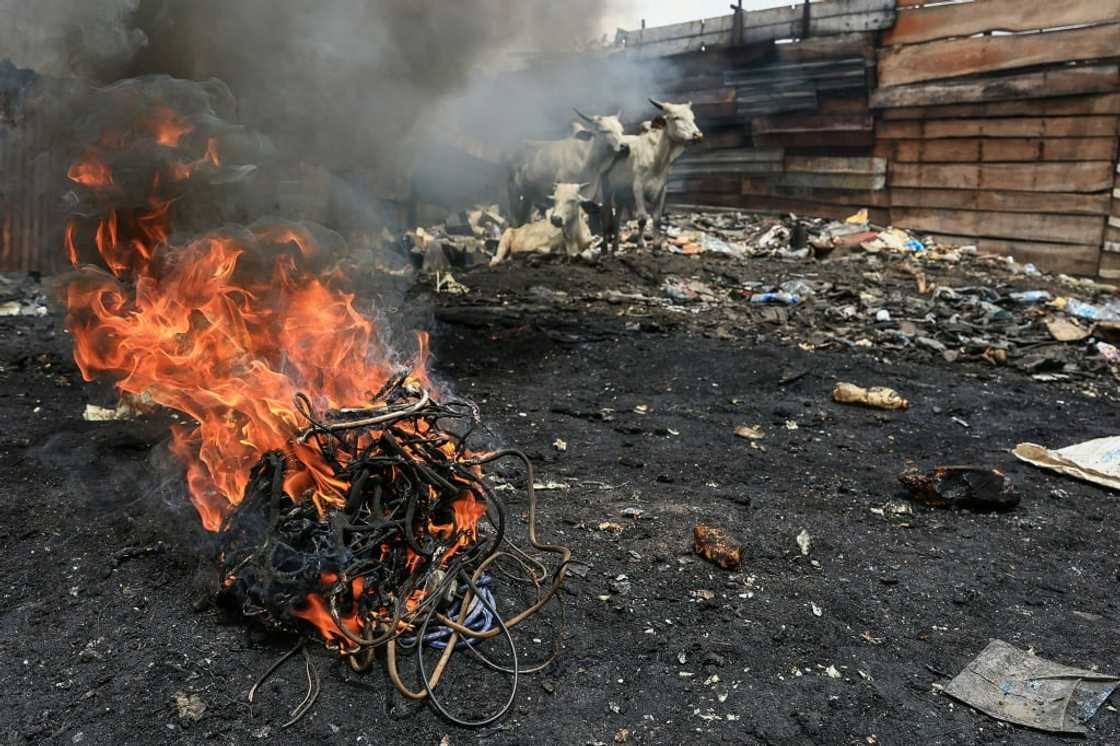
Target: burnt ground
103,607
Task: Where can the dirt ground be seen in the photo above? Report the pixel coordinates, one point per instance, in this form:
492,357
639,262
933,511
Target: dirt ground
104,583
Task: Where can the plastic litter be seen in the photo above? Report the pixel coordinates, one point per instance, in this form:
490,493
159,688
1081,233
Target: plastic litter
877,397
718,246
799,288
1030,296
776,297
1109,312
859,218
1096,461
1012,685
1111,355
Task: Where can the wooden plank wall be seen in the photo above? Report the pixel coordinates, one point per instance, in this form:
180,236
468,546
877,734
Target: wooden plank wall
792,130
995,139
993,122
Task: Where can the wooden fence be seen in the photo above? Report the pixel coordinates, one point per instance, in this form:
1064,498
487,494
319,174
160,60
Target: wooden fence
986,122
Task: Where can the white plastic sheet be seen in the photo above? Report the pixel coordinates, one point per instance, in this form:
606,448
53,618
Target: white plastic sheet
1096,461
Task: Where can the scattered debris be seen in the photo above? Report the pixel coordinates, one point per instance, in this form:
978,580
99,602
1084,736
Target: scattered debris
560,444
1066,330
969,487
779,296
1111,355
878,397
1096,461
805,542
1109,312
190,706
718,546
446,283
128,408
1015,686
753,432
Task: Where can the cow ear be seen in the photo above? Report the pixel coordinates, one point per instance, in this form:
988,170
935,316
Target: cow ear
658,123
584,135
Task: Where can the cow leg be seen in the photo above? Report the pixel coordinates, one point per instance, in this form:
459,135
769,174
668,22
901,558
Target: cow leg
640,210
659,212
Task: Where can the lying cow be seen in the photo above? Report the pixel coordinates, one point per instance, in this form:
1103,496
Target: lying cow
583,157
636,185
564,228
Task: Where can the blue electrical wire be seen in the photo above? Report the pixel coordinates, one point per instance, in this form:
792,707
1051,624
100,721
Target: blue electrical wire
479,619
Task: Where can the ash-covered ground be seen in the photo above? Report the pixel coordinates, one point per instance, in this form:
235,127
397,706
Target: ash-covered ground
643,366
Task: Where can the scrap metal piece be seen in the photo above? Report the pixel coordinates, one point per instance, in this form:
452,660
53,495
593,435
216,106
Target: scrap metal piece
1011,685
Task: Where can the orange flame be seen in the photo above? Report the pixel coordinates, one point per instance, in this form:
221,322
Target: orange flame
90,171
231,352
226,330
168,127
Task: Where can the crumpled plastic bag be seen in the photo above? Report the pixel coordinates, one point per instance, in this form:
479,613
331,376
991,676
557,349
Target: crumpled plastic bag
1096,461
1009,684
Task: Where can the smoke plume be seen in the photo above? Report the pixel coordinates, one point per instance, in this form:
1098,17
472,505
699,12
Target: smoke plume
368,103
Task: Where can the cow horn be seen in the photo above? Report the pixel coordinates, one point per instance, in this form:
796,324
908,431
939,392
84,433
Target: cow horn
582,115
658,104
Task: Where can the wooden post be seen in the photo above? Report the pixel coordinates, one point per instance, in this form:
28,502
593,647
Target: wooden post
737,9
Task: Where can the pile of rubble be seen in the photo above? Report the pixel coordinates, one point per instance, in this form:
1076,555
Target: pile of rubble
21,295
900,291
467,238
830,284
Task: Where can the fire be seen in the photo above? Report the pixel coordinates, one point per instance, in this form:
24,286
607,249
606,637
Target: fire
225,330
168,127
231,349
90,171
285,392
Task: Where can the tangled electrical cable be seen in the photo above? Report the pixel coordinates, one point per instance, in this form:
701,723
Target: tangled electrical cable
405,560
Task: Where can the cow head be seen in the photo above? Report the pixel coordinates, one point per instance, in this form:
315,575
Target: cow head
567,203
608,129
680,122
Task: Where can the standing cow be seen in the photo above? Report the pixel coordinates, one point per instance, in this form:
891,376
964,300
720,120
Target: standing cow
637,183
582,158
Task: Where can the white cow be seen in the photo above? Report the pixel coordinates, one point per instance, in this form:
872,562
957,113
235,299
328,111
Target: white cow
581,158
563,228
637,182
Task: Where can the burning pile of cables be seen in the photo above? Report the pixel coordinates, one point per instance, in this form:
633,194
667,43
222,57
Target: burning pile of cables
407,560
339,486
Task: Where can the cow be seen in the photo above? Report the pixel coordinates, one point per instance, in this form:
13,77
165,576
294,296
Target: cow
637,182
563,228
583,157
